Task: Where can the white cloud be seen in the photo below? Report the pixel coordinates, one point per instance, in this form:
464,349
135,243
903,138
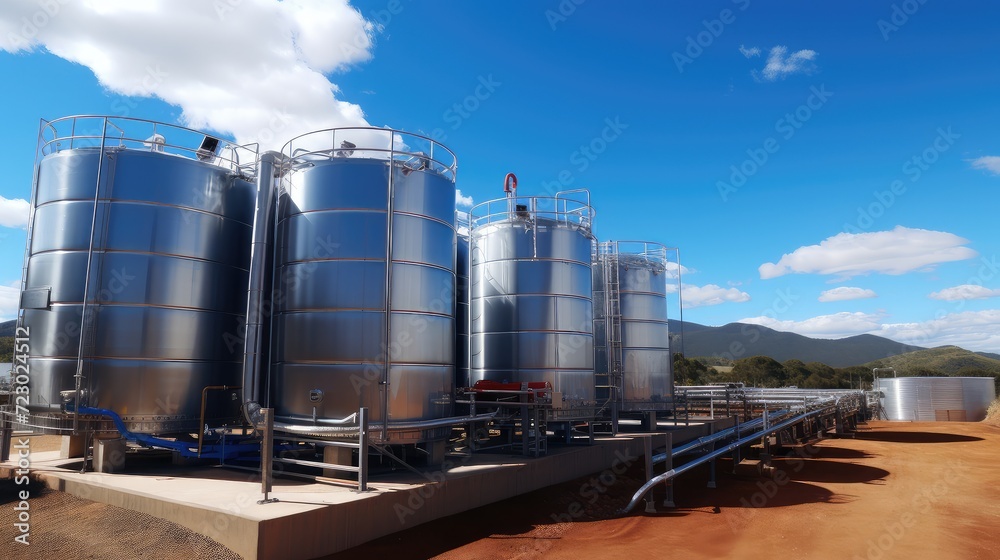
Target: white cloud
14,212
709,294
893,252
10,298
965,291
752,51
978,331
845,293
779,65
837,325
253,69
989,163
462,200
674,269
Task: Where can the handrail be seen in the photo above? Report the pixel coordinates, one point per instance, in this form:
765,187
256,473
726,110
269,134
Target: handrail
677,471
533,208
93,131
371,142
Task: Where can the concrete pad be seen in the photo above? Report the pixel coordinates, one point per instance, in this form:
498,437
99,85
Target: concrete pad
313,519
72,447
109,455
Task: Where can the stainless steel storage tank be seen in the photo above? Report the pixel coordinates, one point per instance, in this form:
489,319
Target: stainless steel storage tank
135,271
631,333
937,399
365,288
531,294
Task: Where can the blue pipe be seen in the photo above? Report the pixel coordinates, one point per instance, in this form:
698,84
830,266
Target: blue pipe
189,450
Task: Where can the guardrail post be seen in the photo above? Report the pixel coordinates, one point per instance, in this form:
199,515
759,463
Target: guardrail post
363,449
669,500
711,464
267,456
6,434
647,449
736,452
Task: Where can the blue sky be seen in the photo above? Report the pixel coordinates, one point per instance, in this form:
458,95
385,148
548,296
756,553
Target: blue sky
825,169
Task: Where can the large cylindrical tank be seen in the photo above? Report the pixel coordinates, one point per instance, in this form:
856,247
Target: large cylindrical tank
531,295
937,399
155,316
365,288
631,333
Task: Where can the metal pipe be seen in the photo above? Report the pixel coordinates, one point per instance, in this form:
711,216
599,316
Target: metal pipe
387,355
78,377
259,286
201,418
672,473
347,431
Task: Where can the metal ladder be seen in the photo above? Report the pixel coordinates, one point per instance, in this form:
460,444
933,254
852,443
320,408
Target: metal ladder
613,328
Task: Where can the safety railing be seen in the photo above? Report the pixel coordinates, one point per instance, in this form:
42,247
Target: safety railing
412,151
534,209
97,131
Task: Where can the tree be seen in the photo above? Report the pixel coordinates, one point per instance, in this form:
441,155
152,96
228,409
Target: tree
689,371
760,371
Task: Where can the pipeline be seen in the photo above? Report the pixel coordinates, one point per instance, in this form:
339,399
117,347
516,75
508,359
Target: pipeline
349,431
258,287
186,449
722,434
718,453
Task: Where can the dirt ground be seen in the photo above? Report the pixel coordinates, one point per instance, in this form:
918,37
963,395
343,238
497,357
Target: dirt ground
897,490
64,526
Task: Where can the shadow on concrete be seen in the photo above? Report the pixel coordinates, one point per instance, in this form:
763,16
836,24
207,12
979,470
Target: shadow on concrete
914,437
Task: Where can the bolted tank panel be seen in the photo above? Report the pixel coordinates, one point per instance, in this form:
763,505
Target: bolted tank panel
631,330
348,331
156,316
940,399
531,295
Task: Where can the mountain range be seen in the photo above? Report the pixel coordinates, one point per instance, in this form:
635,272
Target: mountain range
740,340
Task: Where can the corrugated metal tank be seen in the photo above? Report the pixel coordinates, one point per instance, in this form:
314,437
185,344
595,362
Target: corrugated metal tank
640,341
930,399
350,331
531,295
166,292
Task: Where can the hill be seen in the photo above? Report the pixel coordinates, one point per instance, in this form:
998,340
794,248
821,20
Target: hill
946,360
739,340
7,327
